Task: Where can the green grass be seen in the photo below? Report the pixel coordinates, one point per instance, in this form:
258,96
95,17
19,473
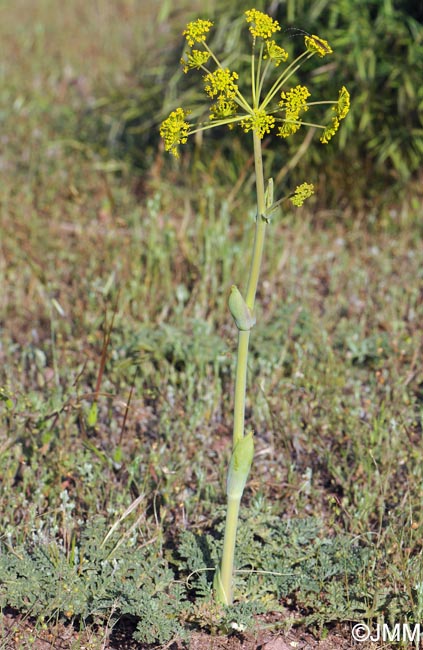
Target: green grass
332,522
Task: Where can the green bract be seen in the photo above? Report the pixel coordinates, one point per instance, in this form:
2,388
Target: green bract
240,312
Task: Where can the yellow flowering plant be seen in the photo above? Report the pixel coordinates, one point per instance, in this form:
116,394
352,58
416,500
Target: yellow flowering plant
272,106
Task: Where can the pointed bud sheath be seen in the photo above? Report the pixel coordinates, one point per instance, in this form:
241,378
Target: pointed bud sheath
240,465
241,313
268,194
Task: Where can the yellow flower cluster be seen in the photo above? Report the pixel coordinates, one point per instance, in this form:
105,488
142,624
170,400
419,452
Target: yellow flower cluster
196,31
341,109
259,121
293,102
174,131
221,83
343,106
223,109
230,107
316,44
262,25
196,59
275,53
302,192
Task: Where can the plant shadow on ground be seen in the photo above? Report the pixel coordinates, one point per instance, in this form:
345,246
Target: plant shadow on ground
111,519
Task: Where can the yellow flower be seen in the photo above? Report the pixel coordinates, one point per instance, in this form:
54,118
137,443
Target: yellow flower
223,109
302,192
174,131
316,44
275,53
195,59
262,25
341,109
196,31
287,129
330,131
259,122
293,102
221,83
343,105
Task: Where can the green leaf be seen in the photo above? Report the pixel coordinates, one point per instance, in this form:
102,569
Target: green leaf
92,415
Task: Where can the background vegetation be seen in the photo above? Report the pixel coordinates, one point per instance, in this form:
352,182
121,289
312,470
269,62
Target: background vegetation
116,348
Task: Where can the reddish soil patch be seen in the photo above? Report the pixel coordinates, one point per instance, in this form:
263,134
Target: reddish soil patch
18,633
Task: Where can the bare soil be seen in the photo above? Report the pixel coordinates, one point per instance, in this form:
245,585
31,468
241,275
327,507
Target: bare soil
18,633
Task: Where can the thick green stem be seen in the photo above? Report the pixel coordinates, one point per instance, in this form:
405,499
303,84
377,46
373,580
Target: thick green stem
223,580
224,575
240,385
260,226
244,337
